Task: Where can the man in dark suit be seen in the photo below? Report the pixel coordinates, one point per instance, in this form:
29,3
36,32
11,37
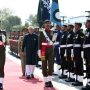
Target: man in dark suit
30,43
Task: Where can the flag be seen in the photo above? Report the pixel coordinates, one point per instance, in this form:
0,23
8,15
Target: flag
43,11
54,13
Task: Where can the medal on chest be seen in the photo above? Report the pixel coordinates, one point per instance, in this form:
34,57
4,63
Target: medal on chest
69,36
76,36
87,35
62,36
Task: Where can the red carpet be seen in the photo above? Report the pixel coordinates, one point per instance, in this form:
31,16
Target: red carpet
13,81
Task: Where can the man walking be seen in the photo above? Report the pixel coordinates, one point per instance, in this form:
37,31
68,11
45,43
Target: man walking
30,43
47,53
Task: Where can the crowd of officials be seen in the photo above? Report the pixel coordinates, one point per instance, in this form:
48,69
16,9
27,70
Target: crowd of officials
67,45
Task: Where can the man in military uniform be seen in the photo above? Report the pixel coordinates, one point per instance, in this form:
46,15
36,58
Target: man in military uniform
2,58
22,57
62,52
78,47
69,49
36,31
46,52
30,44
87,54
57,33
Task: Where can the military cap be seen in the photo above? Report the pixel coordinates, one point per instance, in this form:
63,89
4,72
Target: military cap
46,21
88,20
24,29
79,24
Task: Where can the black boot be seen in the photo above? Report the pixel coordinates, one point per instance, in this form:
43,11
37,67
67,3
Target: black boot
28,77
50,84
46,84
77,83
32,76
1,86
87,87
63,76
70,80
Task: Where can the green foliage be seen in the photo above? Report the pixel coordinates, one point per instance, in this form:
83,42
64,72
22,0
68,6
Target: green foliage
17,28
5,13
33,20
7,20
13,21
26,24
10,22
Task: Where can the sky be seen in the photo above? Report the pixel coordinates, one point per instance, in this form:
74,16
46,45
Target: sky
23,8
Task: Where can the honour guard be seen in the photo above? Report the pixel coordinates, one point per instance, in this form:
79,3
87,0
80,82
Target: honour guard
36,31
63,52
87,54
30,44
57,33
46,52
2,58
78,60
69,49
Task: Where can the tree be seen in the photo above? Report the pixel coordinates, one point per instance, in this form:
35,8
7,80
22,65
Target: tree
12,21
33,20
26,24
17,28
5,13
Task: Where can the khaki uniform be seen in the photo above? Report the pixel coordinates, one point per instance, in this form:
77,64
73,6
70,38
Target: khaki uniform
48,63
23,57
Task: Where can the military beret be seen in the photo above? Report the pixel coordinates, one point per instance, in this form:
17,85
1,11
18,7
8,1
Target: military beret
79,24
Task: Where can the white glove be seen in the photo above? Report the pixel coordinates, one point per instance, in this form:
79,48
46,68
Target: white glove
39,53
56,43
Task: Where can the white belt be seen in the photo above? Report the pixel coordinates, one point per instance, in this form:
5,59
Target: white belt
46,44
86,46
69,45
77,45
56,43
62,46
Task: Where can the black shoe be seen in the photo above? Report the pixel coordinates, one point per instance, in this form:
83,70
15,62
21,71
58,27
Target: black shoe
70,80
59,68
50,84
87,87
28,77
63,76
1,86
46,84
38,65
54,74
32,76
77,83
23,74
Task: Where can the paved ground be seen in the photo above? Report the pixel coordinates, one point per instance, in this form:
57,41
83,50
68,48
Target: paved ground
59,84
